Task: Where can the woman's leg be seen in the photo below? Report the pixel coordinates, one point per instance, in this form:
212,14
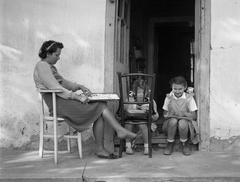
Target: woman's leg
121,132
98,132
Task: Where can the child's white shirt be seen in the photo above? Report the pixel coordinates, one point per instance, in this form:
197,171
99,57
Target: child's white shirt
192,106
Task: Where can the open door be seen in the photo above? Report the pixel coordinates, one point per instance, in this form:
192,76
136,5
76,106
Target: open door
122,32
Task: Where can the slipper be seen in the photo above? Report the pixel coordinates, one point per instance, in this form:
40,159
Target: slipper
110,156
135,140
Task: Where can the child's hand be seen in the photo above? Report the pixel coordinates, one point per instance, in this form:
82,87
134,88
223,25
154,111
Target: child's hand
179,113
169,113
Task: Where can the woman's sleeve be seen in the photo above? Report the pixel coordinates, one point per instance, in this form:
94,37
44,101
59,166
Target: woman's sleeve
49,81
70,85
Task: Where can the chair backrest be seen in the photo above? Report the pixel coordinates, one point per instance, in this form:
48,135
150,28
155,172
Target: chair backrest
136,89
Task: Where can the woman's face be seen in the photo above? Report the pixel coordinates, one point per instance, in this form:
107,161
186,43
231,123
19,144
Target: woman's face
54,57
178,90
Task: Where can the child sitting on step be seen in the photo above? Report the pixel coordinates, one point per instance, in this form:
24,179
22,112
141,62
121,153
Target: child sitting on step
180,113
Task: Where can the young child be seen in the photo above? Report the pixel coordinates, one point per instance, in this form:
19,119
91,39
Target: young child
180,113
139,93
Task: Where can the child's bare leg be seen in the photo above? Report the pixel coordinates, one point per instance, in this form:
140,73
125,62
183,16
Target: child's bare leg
172,128
183,132
129,150
129,127
121,132
183,129
144,129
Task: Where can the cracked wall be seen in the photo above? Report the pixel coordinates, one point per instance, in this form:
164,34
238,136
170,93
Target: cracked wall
225,75
24,27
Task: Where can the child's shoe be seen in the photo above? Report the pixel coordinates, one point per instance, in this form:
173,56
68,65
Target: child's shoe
169,148
129,151
186,151
146,151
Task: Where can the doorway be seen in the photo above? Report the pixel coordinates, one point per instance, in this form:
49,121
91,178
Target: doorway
142,22
173,45
165,32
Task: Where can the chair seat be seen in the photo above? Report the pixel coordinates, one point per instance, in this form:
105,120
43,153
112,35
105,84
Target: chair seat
136,122
50,118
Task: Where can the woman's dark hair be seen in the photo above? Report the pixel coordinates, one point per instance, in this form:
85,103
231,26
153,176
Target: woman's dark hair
50,47
179,80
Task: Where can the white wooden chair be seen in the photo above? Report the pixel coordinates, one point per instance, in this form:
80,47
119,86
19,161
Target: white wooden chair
56,120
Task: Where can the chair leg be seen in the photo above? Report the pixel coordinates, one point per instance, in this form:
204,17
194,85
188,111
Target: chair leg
41,128
55,145
150,140
41,139
55,129
80,144
69,140
121,145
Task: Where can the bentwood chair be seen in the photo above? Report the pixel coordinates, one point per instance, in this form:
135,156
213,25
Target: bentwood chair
135,116
45,117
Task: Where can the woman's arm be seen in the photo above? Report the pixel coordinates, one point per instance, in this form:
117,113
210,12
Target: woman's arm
48,80
75,86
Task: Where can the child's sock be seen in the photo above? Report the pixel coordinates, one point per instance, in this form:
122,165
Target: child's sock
129,150
183,140
145,150
128,144
170,141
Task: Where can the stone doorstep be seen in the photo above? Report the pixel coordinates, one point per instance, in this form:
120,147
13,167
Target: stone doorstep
159,142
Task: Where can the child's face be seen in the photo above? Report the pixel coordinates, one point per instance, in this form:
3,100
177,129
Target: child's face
178,90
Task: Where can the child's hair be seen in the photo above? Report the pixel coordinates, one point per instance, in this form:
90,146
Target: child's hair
178,80
50,47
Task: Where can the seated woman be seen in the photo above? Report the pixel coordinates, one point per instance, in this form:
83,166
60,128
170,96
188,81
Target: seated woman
76,108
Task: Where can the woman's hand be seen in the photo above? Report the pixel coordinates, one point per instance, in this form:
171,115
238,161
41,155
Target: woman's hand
85,90
84,99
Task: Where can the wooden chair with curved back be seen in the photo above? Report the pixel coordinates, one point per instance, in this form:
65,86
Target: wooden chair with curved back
135,116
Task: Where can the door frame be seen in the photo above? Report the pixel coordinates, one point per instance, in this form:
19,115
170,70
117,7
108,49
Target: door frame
202,61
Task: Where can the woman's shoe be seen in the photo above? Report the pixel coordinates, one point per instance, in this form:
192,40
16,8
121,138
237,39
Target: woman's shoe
110,156
169,148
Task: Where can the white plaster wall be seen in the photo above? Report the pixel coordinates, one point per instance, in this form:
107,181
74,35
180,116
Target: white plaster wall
225,69
24,25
